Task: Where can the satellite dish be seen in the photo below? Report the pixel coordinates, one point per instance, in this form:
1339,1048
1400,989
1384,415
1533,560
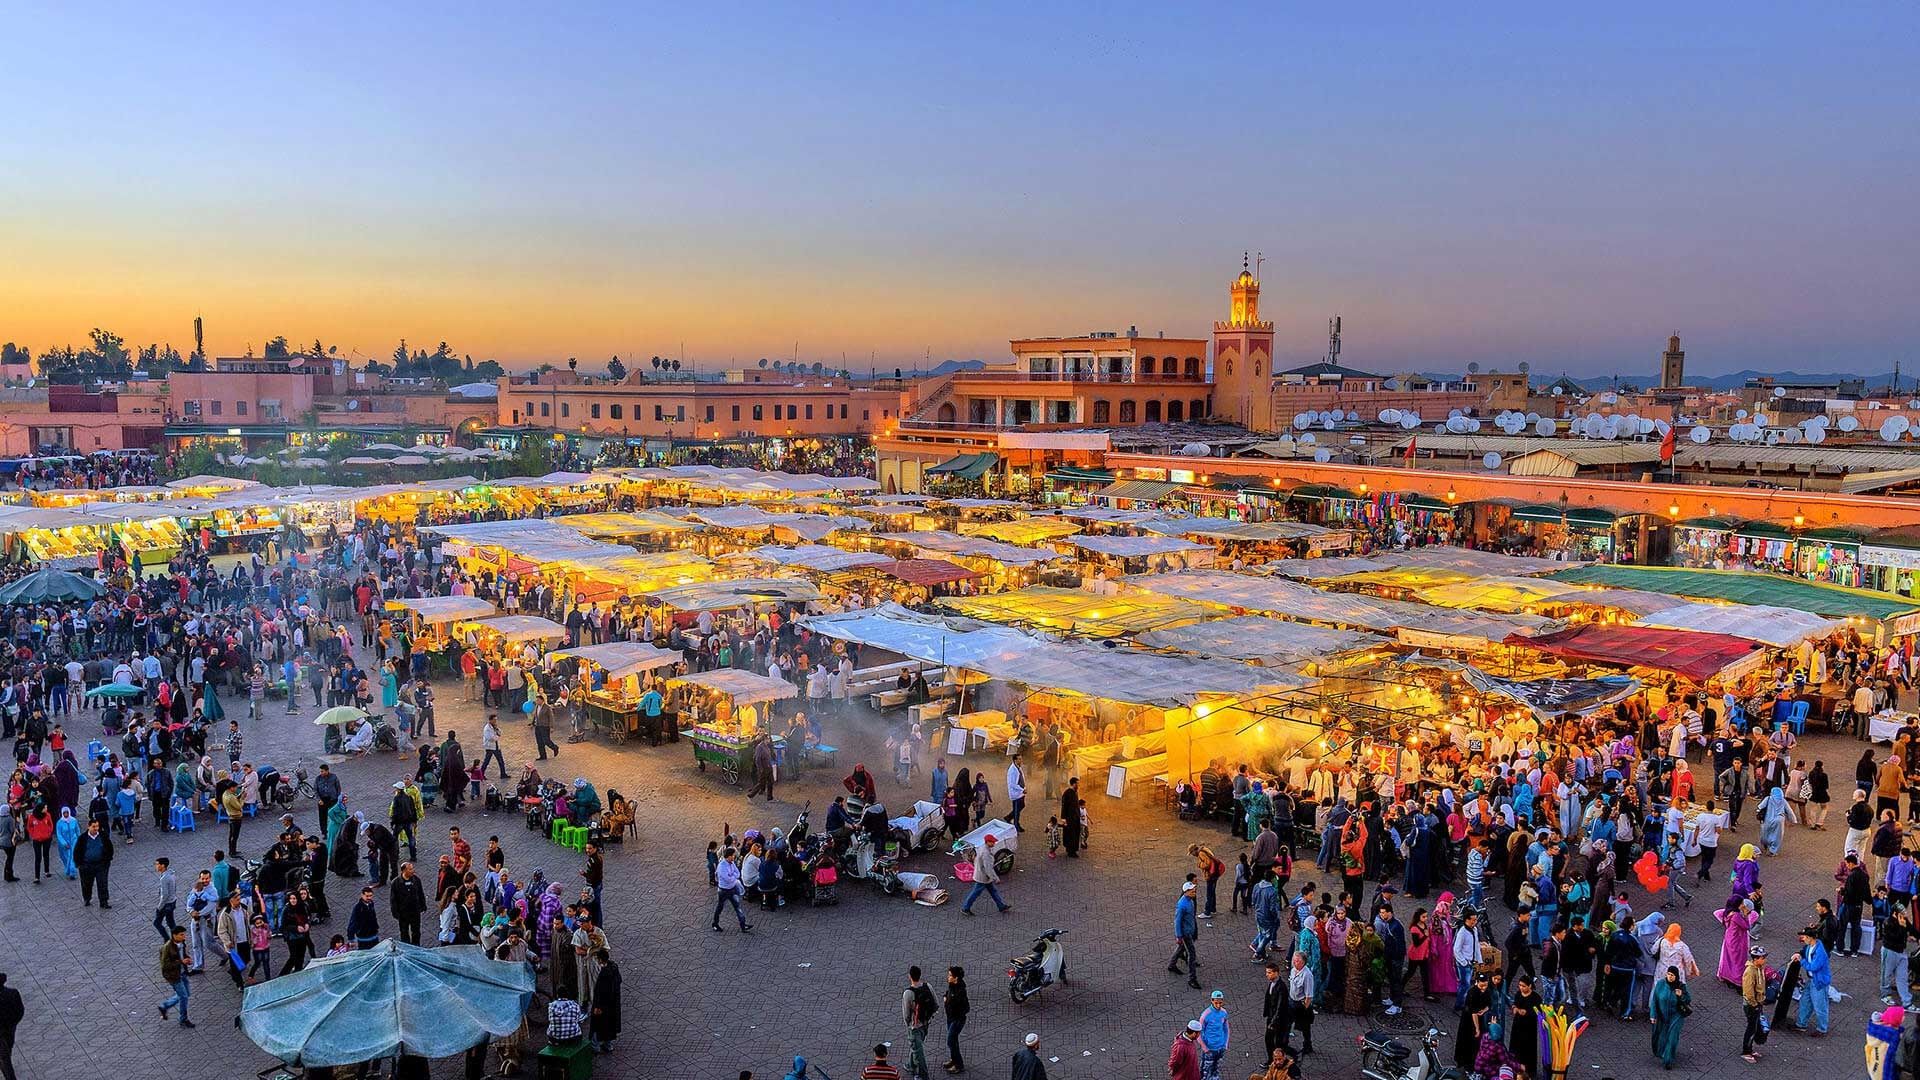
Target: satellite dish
1453,413
1393,384
1646,426
1790,435
1440,427
1525,367
1700,436
1286,440
1779,391
1305,419
1849,423
1662,427
353,405
1415,414
1409,421
1491,460
1389,416
1306,439
1196,449
1544,426
1773,438
1816,436
1473,368
1323,455
1760,418
1901,425
1456,424
1913,404
1353,414
1555,391
1741,415
1331,422
1533,418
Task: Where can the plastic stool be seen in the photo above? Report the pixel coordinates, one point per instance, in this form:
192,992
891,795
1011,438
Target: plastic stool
219,811
556,832
575,838
249,808
96,750
182,817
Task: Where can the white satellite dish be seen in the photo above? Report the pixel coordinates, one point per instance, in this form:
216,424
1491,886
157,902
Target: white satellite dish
1491,460
1700,436
1533,418
1662,427
1741,415
1555,391
1389,416
1323,455
1305,420
1196,449
1773,438
1544,426
1901,425
1760,418
1915,404
1646,426
1331,422
1816,436
1790,435
1779,391
1454,414
1393,384
1307,439
1353,414
1416,417
1409,421
1849,423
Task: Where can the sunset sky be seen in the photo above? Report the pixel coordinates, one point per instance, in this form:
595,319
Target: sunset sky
1502,186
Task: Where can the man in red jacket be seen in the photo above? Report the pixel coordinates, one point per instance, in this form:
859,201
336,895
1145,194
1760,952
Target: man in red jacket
1184,1062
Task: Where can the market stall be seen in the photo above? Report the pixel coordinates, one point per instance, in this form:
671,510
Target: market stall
611,689
429,619
497,634
728,707
1080,612
1113,556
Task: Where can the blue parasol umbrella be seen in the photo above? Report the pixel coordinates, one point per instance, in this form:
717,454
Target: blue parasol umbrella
46,585
392,998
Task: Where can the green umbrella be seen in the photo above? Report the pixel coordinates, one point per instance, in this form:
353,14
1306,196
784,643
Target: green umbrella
340,714
115,690
44,585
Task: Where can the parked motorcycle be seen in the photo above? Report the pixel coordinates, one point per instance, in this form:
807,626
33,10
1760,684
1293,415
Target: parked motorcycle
1382,1057
1044,966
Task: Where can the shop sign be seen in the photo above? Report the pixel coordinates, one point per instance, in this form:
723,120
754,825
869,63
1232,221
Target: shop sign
1905,558
1907,624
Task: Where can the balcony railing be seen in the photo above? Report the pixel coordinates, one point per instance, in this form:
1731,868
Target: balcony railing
1075,377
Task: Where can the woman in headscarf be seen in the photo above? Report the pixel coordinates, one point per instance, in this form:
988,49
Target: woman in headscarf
1307,944
184,785
549,913
1671,1004
1603,882
962,802
66,833
1546,910
1476,1016
1734,947
66,782
345,848
1649,933
1675,953
1441,979
1523,1031
1363,948
1256,807
1422,849
1746,876
337,817
1773,820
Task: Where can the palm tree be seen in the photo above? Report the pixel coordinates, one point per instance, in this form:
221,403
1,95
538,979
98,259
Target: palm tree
573,363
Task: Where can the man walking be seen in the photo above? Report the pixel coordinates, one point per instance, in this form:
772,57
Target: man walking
1214,1032
94,856
1301,989
404,815
917,1008
543,729
326,792
985,877
726,877
1276,1007
453,771
166,898
1186,934
408,901
490,746
173,972
1016,792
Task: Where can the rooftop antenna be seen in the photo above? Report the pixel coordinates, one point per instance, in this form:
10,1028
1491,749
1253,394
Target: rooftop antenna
1258,258
1333,340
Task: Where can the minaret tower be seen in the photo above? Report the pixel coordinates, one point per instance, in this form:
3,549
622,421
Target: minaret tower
1243,357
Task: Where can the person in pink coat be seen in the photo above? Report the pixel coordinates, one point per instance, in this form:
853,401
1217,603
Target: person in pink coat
1441,979
1734,947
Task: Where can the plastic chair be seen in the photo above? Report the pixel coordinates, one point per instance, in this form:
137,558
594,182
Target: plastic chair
1797,719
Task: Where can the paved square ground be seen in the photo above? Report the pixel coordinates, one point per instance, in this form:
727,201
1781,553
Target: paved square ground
825,983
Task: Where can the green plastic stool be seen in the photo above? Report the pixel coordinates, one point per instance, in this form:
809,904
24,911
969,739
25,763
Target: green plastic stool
576,837
558,831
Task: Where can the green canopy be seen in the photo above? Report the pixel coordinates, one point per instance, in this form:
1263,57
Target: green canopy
1742,587
1834,534
1428,502
43,586
1578,517
1764,530
1709,524
1321,491
1074,474
966,466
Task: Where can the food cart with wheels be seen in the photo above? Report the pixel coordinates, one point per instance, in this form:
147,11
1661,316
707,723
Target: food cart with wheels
503,633
610,691
730,705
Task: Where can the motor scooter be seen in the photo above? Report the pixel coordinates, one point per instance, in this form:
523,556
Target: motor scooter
1382,1057
1044,966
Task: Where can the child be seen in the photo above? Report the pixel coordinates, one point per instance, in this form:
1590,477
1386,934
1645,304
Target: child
1676,869
476,773
982,798
262,943
713,863
1242,884
1882,909
1053,837
57,740
1086,828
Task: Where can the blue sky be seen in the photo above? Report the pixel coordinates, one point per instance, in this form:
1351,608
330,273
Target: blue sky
1499,185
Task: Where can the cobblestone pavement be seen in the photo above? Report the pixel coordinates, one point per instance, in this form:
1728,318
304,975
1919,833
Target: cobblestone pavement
825,983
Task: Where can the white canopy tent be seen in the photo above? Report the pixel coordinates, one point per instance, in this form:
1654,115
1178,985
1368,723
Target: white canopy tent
1415,624
1258,639
620,659
744,687
936,543
1330,566
814,557
1776,626
436,610
737,593
1129,547
522,627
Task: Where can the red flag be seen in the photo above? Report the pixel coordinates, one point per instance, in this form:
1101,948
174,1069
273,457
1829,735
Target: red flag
1410,447
1666,445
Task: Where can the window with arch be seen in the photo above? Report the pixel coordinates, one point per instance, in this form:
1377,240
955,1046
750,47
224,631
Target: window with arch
1193,367
613,412
1153,412
1100,410
1146,365
1229,368
1127,412
1259,368
1196,409
1176,411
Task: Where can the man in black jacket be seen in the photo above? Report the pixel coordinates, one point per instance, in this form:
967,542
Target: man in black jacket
408,900
1278,1010
363,922
94,855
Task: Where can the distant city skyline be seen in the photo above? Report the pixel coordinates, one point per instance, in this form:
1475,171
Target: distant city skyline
1489,187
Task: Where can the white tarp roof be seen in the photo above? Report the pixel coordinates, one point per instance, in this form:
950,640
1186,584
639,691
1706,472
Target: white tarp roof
228,483
1327,566
1127,547
620,659
1222,529
1471,560
1002,653
1258,639
754,481
815,557
1295,601
741,592
744,687
523,627
1776,626
939,542
1109,515
434,610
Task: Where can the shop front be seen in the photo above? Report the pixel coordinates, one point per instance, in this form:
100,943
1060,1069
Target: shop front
1830,556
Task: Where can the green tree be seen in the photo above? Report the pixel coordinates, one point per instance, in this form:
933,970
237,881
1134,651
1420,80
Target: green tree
277,348
487,371
401,358
616,370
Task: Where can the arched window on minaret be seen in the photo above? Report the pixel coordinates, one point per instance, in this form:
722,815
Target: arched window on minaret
1229,368
1258,369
